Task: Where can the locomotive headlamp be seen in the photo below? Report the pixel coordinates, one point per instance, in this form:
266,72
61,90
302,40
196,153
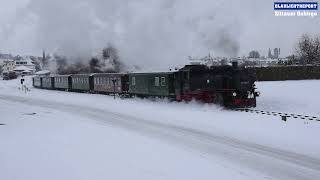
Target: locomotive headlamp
234,94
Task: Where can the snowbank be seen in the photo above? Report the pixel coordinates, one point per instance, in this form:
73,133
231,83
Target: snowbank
77,131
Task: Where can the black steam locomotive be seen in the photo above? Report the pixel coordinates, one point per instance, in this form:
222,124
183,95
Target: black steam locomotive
229,86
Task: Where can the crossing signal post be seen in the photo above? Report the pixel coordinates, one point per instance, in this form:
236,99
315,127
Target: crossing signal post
114,88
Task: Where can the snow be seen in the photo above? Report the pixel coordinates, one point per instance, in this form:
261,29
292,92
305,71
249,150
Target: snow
290,96
88,136
22,68
44,72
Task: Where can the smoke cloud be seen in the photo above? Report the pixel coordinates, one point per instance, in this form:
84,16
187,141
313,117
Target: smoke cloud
151,34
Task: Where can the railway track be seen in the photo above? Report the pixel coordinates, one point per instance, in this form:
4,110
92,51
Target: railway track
281,114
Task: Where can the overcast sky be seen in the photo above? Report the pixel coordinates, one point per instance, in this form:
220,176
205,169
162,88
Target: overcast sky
148,32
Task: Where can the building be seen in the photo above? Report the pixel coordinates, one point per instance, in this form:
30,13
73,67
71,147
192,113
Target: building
23,70
7,65
269,54
26,62
260,62
276,53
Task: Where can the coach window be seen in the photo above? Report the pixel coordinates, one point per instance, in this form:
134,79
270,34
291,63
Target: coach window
156,81
163,81
133,81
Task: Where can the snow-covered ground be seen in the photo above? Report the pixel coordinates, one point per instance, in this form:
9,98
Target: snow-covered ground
290,96
64,135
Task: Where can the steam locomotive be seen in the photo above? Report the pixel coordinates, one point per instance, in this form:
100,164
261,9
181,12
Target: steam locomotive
229,86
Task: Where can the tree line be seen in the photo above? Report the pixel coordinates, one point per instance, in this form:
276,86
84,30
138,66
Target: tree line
306,51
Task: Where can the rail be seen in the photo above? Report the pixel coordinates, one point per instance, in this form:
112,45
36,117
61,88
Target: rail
284,116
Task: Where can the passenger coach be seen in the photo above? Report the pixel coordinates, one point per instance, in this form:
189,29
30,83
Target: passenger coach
47,82
82,82
152,84
37,82
108,83
63,82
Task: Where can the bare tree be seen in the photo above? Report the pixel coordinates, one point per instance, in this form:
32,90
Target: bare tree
308,49
254,54
1,69
316,44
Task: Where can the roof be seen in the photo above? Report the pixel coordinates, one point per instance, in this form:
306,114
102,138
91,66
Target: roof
64,75
22,68
44,72
81,75
149,73
109,74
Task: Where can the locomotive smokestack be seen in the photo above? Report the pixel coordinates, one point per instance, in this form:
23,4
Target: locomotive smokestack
235,64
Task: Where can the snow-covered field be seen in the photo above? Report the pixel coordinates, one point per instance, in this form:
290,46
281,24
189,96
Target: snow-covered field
63,135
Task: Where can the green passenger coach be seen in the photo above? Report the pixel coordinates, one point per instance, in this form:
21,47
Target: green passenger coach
152,84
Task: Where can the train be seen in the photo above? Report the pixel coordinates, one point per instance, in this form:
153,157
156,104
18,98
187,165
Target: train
228,86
